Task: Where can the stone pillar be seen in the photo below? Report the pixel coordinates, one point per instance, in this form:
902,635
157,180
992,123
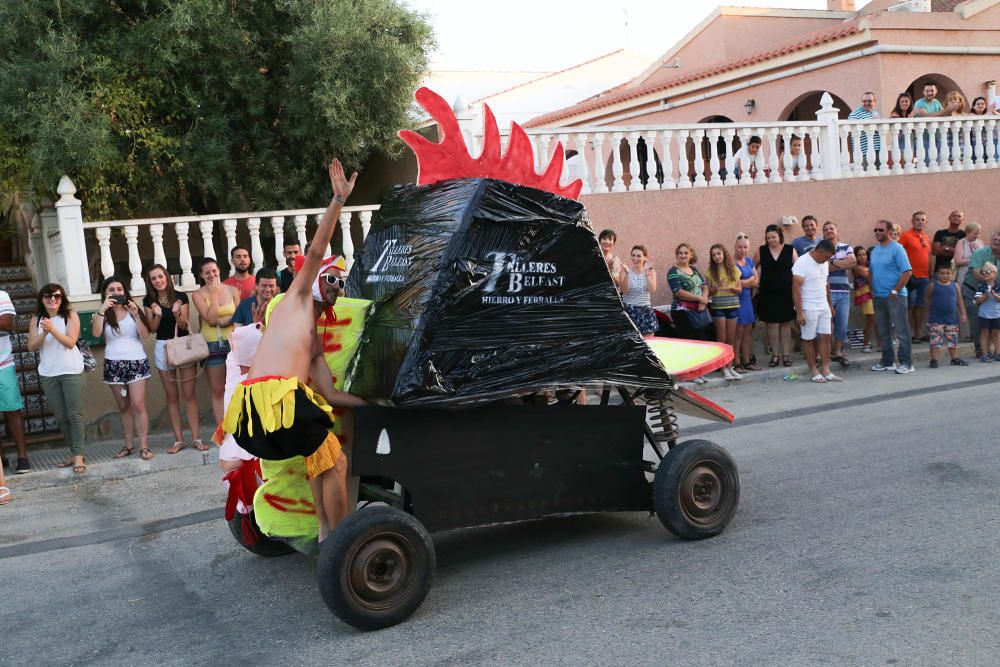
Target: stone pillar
829,147
66,249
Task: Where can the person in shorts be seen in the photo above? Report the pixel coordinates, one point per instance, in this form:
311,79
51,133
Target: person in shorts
946,311
123,326
11,402
216,304
813,308
917,245
988,299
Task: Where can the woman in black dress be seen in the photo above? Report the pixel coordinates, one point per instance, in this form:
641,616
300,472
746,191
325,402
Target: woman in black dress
774,296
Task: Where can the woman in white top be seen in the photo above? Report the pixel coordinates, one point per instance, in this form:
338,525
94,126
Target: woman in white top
53,333
638,282
126,367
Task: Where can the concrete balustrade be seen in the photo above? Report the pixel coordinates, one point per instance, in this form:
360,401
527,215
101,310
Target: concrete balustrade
612,159
146,241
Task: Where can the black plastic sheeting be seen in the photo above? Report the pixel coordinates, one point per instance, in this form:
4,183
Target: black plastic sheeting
485,290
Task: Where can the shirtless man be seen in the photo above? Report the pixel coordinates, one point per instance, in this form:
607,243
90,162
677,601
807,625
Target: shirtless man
274,414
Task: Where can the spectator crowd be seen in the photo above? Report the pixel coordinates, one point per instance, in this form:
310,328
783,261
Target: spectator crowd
905,287
124,323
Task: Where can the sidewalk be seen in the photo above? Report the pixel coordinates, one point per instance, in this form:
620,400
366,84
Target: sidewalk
102,466
859,363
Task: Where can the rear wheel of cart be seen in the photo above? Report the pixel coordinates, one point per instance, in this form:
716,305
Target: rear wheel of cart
244,529
376,567
696,489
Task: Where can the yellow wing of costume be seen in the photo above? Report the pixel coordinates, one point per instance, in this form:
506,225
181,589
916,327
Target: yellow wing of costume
283,505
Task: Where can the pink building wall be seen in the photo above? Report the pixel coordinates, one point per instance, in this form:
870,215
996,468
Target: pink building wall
661,219
732,36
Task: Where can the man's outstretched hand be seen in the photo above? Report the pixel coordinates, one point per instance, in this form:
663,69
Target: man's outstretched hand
342,187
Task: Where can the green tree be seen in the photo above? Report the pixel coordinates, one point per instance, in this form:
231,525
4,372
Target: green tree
177,106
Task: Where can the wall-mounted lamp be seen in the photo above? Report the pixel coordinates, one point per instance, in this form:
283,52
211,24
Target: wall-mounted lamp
749,106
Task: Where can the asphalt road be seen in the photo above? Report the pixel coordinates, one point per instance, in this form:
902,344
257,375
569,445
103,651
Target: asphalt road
867,534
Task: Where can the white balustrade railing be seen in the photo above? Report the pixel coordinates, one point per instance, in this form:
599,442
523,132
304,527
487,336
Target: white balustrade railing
154,235
666,157
633,158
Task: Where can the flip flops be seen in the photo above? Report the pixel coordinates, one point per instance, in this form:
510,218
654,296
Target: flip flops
124,451
176,447
146,454
200,446
819,379
830,377
4,495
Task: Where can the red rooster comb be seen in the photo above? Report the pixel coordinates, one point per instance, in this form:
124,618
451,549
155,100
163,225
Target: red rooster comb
451,159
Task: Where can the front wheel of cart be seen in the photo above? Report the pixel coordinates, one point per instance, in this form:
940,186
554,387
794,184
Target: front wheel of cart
696,489
376,567
244,529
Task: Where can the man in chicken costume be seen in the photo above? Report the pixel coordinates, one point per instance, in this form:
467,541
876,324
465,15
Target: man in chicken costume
274,414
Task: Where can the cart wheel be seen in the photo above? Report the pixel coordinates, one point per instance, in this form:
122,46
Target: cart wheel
376,567
696,489
264,546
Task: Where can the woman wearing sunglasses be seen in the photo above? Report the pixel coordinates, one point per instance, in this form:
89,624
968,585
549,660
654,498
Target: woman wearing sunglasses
53,332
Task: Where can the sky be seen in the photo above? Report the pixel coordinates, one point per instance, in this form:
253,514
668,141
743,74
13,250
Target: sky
548,35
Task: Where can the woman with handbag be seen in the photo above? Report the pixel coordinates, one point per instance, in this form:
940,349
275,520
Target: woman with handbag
126,368
167,312
216,305
53,333
689,307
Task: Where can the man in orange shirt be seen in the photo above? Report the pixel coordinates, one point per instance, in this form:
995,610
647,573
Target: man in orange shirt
917,244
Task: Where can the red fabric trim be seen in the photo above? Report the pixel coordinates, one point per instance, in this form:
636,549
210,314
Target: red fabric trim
263,378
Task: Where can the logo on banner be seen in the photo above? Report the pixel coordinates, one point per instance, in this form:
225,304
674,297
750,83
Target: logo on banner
391,263
516,280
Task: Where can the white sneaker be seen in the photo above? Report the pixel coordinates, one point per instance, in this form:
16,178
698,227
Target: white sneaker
879,367
903,369
726,374
734,374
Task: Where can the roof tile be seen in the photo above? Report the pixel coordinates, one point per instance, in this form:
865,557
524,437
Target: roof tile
615,96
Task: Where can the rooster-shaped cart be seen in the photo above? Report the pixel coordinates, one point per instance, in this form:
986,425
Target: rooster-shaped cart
492,309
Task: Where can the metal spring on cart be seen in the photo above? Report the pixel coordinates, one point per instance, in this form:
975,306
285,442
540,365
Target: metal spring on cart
663,419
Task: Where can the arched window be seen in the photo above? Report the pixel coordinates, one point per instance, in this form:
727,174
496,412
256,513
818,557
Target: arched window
805,106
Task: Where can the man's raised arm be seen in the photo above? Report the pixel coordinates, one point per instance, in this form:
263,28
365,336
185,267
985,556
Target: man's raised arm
342,188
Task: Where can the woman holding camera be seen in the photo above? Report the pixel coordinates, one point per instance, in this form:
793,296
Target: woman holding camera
126,368
53,332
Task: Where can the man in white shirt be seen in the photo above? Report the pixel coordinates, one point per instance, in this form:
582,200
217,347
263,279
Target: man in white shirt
813,309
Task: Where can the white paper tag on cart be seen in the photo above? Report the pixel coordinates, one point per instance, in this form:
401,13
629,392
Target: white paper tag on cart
383,447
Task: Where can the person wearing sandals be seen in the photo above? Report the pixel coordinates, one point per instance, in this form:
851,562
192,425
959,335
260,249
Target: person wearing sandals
743,343
53,332
167,312
216,305
724,287
126,368
774,260
638,282
814,308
